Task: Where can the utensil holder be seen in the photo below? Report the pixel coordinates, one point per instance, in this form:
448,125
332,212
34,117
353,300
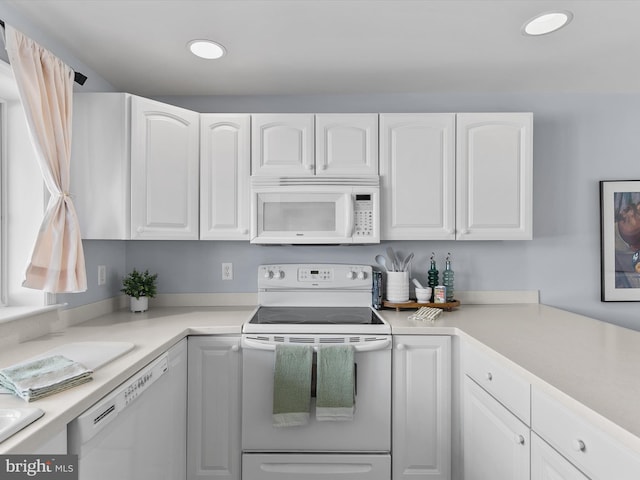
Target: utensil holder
398,286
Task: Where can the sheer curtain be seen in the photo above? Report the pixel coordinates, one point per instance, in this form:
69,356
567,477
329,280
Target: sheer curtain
45,85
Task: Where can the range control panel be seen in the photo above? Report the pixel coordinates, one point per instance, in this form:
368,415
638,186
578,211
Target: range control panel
302,276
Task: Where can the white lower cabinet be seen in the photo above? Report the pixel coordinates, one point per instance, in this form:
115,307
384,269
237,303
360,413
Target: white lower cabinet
547,464
421,433
214,400
593,450
495,442
54,444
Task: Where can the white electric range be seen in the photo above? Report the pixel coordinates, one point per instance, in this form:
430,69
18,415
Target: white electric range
317,305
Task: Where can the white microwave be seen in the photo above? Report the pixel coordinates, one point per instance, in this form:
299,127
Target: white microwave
315,210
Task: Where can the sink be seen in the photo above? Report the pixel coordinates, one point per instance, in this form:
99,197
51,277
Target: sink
12,420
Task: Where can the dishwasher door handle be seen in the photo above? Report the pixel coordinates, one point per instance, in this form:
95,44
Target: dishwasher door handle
365,346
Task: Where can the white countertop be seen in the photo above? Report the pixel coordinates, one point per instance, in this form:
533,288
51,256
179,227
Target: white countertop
595,363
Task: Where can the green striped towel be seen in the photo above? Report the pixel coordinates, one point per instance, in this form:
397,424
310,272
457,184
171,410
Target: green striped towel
41,377
335,389
292,385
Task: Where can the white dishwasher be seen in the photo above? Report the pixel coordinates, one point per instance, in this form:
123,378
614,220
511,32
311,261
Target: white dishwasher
138,431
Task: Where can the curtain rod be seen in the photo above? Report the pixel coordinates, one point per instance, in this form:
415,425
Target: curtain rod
78,77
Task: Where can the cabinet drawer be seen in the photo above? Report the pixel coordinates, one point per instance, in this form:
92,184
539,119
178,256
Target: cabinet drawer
592,450
315,466
499,380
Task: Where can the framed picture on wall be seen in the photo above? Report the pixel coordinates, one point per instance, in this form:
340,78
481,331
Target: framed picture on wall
620,240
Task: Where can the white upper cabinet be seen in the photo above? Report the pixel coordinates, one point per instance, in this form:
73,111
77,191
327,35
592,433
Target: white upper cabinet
494,170
224,176
134,168
461,176
165,161
347,144
100,165
282,144
294,145
417,174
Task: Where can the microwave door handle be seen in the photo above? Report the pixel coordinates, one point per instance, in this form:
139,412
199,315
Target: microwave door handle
350,216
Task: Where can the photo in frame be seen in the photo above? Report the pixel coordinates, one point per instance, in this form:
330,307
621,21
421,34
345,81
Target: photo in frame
620,240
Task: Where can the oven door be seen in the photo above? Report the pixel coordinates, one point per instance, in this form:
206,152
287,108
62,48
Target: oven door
370,429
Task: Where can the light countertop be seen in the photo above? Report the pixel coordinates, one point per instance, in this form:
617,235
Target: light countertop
595,363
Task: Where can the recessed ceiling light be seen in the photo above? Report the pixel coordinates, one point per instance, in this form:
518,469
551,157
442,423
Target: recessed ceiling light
206,49
547,22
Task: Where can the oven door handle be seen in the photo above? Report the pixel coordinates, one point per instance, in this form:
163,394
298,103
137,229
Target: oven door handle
370,346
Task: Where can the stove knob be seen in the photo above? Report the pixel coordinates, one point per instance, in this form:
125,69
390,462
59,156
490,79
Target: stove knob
351,275
278,274
362,275
268,274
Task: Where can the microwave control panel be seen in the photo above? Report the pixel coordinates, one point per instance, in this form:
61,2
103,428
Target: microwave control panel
363,221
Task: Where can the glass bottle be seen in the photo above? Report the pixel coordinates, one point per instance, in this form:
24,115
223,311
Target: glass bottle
447,278
432,274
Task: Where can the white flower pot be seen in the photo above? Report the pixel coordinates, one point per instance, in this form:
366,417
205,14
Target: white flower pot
138,304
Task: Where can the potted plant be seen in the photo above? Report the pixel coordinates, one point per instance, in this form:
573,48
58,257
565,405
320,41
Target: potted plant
140,287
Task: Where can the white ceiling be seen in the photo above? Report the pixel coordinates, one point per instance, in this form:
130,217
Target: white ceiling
346,46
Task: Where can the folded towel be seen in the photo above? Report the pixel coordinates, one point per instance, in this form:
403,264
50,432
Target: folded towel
292,385
38,378
335,389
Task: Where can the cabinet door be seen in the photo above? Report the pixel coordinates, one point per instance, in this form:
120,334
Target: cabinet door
282,144
494,176
547,464
346,144
100,167
421,443
164,171
495,442
224,176
417,174
214,417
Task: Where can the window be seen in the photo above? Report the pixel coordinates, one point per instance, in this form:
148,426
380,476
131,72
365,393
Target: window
22,197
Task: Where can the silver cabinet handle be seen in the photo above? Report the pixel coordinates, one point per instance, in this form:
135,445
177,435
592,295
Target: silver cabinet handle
519,439
489,376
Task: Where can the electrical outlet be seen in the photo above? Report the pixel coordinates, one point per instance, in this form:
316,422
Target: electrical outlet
102,274
227,271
